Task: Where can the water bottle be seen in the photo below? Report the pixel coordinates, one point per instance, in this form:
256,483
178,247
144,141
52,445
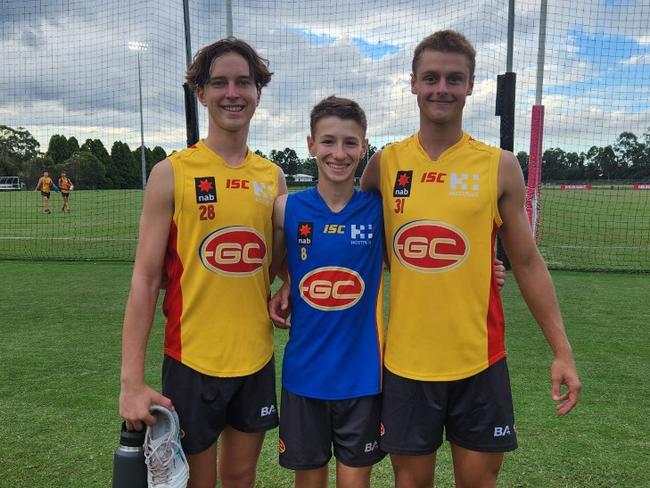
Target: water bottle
129,468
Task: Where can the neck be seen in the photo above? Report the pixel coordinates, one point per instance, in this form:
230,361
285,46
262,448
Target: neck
336,195
437,138
231,146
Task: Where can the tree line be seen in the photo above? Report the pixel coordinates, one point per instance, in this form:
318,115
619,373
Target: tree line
92,166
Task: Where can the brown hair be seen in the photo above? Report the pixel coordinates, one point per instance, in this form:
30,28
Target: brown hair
198,74
343,108
446,41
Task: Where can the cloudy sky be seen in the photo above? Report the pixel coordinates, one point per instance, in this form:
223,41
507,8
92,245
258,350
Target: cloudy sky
65,66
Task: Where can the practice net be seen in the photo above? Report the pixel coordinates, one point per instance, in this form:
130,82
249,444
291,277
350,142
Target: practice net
71,71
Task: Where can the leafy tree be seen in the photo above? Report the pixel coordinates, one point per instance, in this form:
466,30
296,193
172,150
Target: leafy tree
58,149
287,160
32,170
125,172
554,164
8,166
73,145
86,171
575,166
16,147
261,154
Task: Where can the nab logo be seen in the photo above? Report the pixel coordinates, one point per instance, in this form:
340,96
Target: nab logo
206,190
233,251
331,288
305,233
371,446
502,431
430,246
266,411
403,181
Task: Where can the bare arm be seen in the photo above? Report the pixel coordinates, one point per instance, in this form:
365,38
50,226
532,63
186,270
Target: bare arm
157,212
370,176
534,281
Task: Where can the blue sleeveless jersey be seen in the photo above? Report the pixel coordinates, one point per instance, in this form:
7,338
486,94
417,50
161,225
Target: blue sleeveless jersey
335,263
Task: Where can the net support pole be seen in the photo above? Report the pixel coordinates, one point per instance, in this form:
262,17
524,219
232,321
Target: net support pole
191,108
534,185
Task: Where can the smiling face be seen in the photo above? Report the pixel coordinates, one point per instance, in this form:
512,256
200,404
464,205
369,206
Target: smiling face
338,145
442,83
230,94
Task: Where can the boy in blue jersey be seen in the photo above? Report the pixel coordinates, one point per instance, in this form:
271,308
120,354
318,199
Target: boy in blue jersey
331,375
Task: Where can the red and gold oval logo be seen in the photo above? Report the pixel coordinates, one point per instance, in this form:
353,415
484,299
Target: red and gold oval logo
430,246
281,446
238,251
332,288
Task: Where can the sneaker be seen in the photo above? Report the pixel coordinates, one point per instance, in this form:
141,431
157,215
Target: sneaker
166,462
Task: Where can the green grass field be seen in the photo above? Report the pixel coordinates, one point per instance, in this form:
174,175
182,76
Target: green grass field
596,229
59,382
600,229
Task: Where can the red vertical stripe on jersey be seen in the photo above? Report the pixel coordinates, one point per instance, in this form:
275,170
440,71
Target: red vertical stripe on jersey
495,320
173,302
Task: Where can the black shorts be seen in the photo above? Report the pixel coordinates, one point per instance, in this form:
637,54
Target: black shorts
475,413
309,427
45,194
206,404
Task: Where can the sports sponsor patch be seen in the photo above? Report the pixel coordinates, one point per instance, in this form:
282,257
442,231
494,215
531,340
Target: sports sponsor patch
430,246
233,251
403,181
332,288
305,233
206,189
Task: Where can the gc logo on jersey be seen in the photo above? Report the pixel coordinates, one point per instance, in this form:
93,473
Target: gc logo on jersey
332,288
233,251
403,181
206,189
430,246
305,233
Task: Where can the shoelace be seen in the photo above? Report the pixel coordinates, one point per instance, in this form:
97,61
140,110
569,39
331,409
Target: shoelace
159,459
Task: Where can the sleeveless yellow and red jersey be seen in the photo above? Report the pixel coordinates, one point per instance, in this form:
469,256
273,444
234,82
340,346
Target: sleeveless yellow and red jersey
64,184
46,184
441,217
217,261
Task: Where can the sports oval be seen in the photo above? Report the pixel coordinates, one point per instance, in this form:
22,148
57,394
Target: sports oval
332,288
233,251
430,246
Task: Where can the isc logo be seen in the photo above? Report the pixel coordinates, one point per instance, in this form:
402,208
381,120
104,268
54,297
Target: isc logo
238,251
430,246
331,288
237,183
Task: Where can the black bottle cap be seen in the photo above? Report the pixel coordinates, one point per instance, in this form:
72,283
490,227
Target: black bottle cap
131,438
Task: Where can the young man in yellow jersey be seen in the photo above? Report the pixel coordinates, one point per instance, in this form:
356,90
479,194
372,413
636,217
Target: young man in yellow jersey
45,185
65,186
445,198
206,224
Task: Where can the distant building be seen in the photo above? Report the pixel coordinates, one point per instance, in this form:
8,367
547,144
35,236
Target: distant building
302,178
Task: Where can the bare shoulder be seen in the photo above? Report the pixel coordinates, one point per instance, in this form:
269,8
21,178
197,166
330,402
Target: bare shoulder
510,174
370,177
282,183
